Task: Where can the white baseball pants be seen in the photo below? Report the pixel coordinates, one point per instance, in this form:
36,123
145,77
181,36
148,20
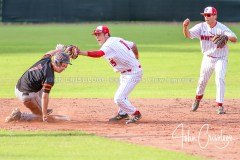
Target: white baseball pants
127,84
34,97
209,64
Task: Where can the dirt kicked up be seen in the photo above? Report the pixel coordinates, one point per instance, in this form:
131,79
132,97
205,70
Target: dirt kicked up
166,123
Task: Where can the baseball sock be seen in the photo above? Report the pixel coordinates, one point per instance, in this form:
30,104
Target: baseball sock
199,97
136,113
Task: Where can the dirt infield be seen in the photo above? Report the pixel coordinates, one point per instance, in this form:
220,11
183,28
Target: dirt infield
166,123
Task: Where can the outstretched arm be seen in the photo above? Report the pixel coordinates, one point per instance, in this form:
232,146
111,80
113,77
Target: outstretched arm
51,53
232,39
94,54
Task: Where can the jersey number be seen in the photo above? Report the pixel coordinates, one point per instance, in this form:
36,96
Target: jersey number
112,62
121,41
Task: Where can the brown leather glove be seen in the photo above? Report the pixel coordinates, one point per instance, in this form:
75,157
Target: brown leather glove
220,40
72,50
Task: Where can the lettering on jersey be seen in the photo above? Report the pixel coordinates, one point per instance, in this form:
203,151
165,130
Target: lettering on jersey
112,62
38,67
206,38
121,41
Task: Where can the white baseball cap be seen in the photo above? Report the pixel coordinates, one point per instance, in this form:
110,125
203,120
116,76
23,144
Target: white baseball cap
210,10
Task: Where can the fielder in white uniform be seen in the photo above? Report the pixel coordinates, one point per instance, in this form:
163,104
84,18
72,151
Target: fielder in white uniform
122,55
214,59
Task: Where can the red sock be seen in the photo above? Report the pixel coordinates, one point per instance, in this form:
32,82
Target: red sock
136,113
199,97
219,104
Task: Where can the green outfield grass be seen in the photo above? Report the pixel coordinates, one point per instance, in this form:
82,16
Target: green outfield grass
76,145
171,63
171,66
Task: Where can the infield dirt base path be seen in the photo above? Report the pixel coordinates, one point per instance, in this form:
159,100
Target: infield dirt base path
199,133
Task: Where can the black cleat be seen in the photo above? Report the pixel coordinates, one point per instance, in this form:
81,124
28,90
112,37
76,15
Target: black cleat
220,110
119,117
134,119
195,105
49,111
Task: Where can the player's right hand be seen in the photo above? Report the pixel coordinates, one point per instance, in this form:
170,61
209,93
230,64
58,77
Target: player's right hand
60,47
45,118
186,22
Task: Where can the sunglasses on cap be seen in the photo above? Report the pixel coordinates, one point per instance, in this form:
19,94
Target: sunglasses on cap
208,15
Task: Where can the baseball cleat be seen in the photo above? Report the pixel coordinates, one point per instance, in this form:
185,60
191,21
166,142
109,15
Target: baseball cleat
14,116
119,117
220,110
49,111
195,105
134,119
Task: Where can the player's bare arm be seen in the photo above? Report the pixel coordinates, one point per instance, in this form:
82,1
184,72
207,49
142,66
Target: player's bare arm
45,99
135,51
83,53
186,32
51,53
232,39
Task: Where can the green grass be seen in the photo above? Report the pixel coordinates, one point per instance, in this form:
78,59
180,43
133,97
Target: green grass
171,69
171,63
76,145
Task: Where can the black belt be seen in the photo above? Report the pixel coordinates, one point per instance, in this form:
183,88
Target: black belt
25,94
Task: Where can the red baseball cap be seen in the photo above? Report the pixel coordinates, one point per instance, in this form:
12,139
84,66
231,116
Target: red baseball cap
209,10
101,29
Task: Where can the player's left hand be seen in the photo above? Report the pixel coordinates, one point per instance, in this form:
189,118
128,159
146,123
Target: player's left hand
73,51
220,40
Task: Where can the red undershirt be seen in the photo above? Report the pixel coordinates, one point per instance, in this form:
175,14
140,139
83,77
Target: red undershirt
95,54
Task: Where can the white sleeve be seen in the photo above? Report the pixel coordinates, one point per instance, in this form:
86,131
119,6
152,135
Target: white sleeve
107,51
129,43
195,32
228,32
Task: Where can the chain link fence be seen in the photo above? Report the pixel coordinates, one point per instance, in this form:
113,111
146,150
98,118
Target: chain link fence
114,10
1,1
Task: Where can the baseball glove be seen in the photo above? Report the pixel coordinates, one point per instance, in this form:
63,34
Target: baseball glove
71,50
220,40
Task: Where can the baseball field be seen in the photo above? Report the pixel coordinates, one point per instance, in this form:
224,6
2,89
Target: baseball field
84,93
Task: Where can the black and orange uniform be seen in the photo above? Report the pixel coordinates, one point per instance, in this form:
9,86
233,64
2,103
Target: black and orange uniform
39,76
